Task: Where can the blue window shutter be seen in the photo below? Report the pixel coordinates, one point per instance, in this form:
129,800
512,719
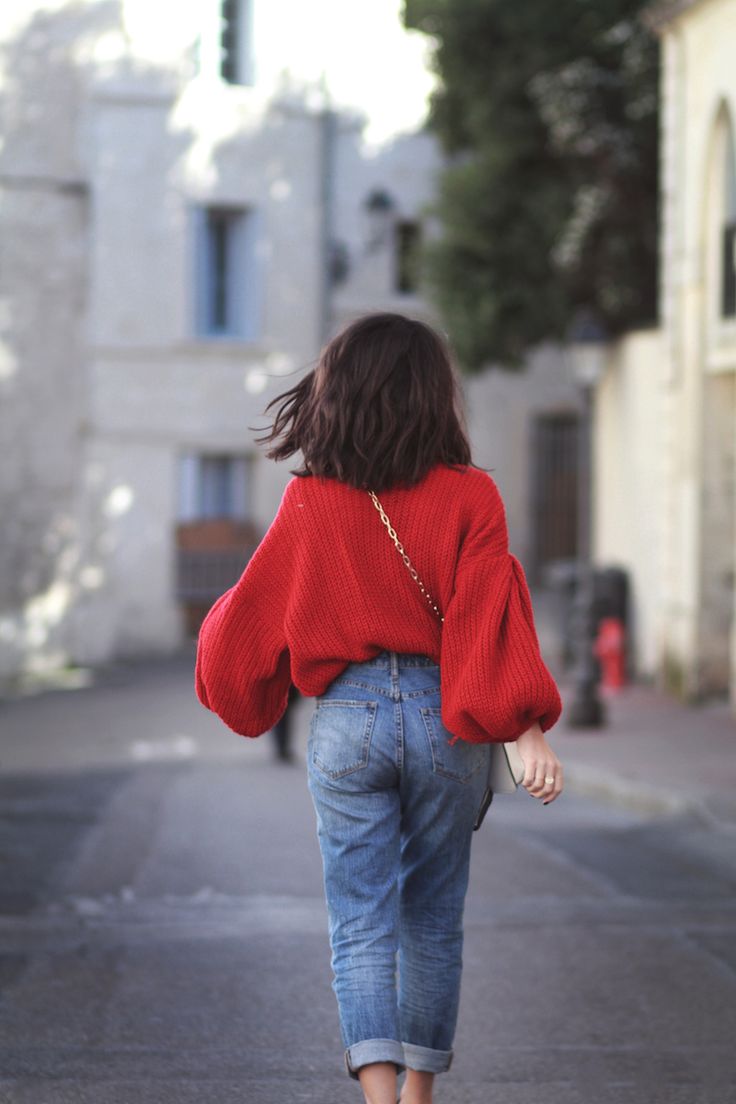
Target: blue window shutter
243,293
188,473
202,270
255,274
236,264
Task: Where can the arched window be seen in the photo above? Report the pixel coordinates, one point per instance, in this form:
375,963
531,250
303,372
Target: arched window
720,218
728,254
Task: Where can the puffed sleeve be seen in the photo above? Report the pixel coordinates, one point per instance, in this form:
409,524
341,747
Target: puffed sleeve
242,667
495,684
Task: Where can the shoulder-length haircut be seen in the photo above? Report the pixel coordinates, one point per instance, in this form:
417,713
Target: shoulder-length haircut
381,407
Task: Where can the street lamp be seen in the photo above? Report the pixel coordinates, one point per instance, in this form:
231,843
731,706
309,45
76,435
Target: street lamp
379,206
588,353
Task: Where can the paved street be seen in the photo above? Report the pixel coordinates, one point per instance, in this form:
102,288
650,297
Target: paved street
163,932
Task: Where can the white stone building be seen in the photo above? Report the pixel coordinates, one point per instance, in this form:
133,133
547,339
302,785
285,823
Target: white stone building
181,228
666,408
162,232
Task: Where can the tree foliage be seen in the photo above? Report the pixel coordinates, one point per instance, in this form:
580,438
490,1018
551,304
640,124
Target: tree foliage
548,116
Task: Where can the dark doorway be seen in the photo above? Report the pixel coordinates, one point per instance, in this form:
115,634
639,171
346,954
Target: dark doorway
554,491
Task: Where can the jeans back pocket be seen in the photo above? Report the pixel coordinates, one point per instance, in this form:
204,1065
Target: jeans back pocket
340,735
461,760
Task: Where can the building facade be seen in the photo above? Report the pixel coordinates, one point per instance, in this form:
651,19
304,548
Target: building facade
181,229
522,424
162,233
666,409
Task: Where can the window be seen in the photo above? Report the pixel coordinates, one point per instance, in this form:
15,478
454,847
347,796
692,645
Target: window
225,273
235,40
407,256
214,486
215,534
727,157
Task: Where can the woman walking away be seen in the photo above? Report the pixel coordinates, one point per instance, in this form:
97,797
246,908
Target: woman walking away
407,704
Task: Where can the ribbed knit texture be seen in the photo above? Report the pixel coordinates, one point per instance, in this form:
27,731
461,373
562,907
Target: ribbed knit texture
327,587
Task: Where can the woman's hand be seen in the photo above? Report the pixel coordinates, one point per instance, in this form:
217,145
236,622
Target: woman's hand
540,762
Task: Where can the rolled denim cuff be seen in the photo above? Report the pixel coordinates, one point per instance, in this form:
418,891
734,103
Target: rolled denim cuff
374,1050
426,1058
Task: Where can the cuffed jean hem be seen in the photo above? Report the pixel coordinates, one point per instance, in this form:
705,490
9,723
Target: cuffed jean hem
373,1050
426,1058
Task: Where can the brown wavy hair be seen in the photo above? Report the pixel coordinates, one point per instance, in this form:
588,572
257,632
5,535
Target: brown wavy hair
381,407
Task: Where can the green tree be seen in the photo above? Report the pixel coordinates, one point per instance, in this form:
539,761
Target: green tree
548,116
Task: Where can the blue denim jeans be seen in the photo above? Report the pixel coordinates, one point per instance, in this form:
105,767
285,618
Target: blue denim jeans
395,806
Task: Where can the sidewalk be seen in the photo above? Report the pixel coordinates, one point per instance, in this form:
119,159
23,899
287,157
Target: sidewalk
654,754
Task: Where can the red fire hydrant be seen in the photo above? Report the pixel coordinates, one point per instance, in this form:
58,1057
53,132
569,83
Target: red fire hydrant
609,647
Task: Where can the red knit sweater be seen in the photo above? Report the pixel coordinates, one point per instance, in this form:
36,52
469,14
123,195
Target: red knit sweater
326,587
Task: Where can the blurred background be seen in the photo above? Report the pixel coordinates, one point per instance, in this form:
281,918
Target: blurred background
194,198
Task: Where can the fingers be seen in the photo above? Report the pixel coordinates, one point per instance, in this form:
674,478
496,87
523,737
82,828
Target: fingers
537,770
554,789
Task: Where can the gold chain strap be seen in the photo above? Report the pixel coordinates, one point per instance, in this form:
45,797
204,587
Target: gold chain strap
402,553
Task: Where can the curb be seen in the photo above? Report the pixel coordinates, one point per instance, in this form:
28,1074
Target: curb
640,797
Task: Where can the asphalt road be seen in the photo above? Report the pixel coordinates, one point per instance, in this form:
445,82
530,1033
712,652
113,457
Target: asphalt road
163,935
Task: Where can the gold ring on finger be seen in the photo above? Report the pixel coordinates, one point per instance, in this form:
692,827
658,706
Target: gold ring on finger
549,778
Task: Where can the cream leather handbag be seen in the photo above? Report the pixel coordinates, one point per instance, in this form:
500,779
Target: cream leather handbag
506,767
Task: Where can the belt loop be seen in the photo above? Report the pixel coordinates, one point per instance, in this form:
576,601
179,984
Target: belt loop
395,691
